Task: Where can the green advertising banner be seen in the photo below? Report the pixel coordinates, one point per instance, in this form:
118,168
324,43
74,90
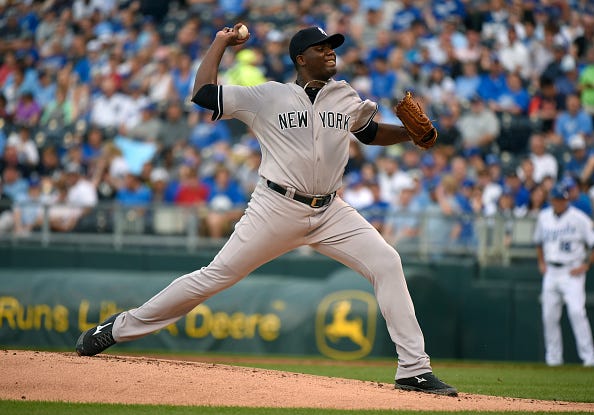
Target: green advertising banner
337,317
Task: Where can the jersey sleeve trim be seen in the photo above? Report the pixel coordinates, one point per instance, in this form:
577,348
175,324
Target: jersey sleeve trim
368,121
218,111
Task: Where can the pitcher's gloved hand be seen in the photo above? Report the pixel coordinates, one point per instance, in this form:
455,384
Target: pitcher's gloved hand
417,124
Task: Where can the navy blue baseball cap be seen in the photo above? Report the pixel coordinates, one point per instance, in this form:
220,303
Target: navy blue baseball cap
560,192
312,36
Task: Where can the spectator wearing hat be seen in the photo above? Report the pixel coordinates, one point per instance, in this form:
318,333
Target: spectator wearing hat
577,197
134,104
492,82
246,70
479,126
580,163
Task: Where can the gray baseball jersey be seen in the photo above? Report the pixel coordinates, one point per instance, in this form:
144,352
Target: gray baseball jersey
305,149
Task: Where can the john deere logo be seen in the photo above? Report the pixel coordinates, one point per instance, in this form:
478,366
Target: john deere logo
345,324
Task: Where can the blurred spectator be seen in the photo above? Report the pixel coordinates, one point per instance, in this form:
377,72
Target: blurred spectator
160,83
159,180
507,210
107,109
191,191
390,177
518,191
134,193
92,146
226,203
46,92
376,212
545,106
402,222
513,97
538,200
492,82
59,113
383,80
545,164
133,106
207,132
49,165
442,227
175,129
574,120
81,195
247,174
580,163
182,77
245,71
586,81
356,191
406,15
28,209
22,141
467,83
515,56
479,126
277,65
27,111
450,138
6,219
577,197
149,127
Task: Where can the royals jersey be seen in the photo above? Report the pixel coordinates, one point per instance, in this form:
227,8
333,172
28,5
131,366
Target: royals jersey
304,145
564,238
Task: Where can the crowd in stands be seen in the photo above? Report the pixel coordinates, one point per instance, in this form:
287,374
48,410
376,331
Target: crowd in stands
95,107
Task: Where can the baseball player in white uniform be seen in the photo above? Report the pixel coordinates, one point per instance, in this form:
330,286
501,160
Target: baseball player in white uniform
565,237
304,129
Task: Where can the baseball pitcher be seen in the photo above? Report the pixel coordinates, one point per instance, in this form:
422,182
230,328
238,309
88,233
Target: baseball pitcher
304,128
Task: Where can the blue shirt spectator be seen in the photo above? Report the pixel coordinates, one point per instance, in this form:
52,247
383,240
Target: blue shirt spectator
574,120
134,193
404,17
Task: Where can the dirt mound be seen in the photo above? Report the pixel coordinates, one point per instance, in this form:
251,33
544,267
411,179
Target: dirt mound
66,377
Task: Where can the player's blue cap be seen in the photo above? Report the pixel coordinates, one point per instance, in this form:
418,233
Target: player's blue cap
560,192
312,36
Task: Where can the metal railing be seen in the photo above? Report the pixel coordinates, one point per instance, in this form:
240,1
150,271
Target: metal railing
494,239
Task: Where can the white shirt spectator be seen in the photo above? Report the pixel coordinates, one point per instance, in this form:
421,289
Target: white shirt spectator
82,194
109,111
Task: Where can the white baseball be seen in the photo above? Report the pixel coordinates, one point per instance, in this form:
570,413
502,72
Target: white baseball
242,32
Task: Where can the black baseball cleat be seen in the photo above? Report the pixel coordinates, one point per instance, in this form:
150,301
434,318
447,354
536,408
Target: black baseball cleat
426,382
97,339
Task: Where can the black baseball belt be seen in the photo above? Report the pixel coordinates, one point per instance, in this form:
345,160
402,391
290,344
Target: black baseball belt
558,264
315,201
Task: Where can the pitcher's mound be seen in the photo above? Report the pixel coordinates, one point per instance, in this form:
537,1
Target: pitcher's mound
43,376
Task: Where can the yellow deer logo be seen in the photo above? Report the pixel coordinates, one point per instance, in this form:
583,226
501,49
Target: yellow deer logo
342,327
336,320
